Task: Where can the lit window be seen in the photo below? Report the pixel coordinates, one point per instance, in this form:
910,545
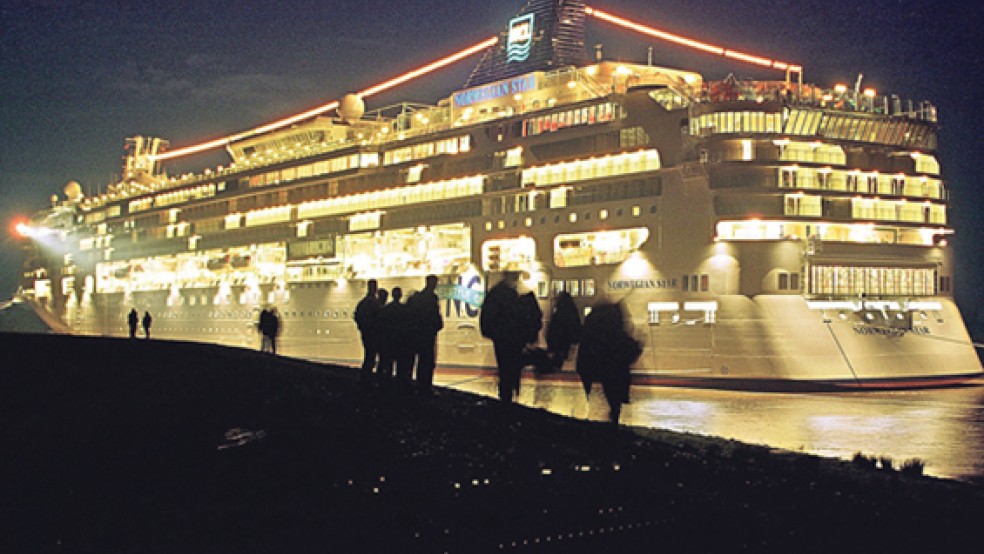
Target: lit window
747,153
514,157
598,248
508,254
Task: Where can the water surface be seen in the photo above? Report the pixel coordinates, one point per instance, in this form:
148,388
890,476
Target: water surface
944,428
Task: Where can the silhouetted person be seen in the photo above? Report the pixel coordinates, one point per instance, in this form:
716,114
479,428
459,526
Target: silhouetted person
147,320
273,329
426,322
531,321
564,329
367,320
532,317
133,320
382,296
500,321
605,355
396,346
263,326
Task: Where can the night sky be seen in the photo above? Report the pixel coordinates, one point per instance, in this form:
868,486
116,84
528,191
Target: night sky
78,77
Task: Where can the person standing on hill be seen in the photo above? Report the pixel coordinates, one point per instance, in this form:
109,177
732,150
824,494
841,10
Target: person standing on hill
395,346
147,320
564,329
384,364
367,320
606,353
133,320
273,329
263,326
501,321
426,322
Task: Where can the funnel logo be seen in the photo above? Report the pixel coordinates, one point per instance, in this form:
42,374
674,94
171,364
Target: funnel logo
520,39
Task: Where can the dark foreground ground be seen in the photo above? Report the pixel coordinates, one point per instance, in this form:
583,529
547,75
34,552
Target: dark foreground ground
120,446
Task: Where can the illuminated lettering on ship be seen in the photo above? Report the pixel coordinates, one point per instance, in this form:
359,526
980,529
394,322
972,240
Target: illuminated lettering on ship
894,332
495,90
624,284
520,39
466,295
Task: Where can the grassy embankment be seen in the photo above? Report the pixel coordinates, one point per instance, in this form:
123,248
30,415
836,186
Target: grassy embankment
117,445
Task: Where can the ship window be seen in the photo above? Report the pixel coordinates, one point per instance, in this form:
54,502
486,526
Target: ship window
944,283
574,287
598,248
670,310
708,309
558,197
514,157
508,254
783,281
747,152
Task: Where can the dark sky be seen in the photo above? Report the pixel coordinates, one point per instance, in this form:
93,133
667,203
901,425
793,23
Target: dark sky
77,77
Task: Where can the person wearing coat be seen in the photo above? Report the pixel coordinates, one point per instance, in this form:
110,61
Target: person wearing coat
606,354
564,329
425,312
501,321
147,320
132,319
396,341
366,317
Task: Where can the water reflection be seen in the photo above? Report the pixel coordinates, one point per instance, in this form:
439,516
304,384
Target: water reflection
944,428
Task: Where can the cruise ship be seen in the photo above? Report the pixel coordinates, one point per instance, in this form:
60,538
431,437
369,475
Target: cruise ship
760,234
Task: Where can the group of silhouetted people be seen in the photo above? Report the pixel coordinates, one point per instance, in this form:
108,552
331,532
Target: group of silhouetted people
132,320
399,340
606,349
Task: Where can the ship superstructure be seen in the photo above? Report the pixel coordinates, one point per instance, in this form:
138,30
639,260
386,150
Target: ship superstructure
758,232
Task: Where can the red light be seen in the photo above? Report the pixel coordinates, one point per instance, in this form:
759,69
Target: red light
286,122
19,228
691,43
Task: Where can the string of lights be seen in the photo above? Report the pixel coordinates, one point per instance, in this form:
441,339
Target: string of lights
286,122
467,52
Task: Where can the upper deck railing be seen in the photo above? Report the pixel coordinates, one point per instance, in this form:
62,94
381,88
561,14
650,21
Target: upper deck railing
839,98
